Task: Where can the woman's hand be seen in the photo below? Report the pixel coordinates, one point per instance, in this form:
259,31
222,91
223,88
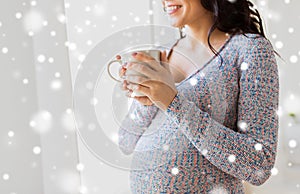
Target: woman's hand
144,100
159,85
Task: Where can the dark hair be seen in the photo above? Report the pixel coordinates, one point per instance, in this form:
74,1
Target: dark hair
233,17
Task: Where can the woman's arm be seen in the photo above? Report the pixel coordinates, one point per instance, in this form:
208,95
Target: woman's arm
134,124
248,155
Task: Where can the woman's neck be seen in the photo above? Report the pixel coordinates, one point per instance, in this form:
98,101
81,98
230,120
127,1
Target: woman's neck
198,31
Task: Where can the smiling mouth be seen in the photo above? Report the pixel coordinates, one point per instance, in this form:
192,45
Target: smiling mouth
172,9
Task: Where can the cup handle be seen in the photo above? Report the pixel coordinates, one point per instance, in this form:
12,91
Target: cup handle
108,69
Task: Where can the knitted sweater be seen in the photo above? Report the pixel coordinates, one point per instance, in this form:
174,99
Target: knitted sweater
220,129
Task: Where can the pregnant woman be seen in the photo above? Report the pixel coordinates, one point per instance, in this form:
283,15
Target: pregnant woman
208,120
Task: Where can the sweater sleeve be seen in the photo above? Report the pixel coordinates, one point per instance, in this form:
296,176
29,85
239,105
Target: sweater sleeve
134,124
247,153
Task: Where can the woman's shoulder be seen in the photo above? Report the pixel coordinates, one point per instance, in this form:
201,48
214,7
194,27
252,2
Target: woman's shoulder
248,41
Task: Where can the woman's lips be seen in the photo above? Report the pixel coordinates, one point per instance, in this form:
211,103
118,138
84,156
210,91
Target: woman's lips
171,9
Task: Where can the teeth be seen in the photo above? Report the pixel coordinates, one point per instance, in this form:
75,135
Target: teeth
171,8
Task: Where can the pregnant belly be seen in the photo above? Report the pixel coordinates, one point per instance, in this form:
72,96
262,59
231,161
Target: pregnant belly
178,173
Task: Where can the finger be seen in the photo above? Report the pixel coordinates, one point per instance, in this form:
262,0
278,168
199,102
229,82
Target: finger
163,56
136,79
147,59
144,100
118,57
141,68
125,85
164,60
131,86
122,71
142,89
129,94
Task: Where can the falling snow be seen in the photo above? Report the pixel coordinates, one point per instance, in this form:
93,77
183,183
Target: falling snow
242,125
11,134
68,120
50,60
33,21
292,143
19,15
41,58
274,171
80,167
258,146
4,50
193,81
5,176
244,66
25,81
56,85
41,122
293,59
53,33
231,158
36,150
33,3
175,171
278,44
132,116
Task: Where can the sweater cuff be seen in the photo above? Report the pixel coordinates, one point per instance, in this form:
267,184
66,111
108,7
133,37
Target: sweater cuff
175,109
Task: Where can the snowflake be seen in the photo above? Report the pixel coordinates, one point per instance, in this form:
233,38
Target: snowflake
114,18
274,171
53,33
5,176
231,158
33,3
115,137
132,116
291,30
244,66
293,59
41,58
279,44
25,81
36,150
61,18
137,19
204,152
292,143
258,146
80,167
41,121
193,81
11,134
50,60
19,15
33,21
218,190
57,74
242,125
4,50
81,58
175,171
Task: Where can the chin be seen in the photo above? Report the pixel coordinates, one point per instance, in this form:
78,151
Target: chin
176,24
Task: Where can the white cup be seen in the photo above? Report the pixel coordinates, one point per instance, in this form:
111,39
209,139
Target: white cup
126,58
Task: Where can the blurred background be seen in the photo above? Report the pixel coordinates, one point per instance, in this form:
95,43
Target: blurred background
43,47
